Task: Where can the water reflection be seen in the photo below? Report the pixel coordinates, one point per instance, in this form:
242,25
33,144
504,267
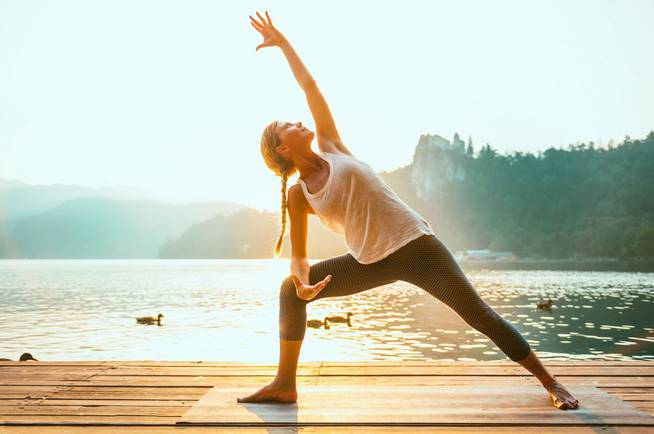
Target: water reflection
227,310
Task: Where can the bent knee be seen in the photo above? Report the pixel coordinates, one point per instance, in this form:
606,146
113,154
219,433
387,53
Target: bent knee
288,293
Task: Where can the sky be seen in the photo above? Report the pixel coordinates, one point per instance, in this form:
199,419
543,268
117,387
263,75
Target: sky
170,97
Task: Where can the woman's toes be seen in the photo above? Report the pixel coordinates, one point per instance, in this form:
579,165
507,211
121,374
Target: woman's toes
250,398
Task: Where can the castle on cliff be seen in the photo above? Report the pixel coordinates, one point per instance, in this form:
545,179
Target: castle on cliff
436,161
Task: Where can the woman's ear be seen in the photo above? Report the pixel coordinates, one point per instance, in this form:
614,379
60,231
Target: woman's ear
282,150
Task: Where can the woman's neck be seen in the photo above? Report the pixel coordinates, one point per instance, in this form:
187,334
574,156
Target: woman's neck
308,165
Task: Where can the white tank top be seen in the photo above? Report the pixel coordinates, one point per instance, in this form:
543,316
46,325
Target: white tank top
355,201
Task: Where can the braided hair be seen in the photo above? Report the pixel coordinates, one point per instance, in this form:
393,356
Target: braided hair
281,167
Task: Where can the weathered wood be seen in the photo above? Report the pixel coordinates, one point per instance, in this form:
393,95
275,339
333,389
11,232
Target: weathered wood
70,429
210,381
576,370
86,420
97,402
86,395
91,410
191,363
397,405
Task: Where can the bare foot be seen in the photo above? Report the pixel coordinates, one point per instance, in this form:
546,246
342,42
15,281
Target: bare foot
271,393
560,397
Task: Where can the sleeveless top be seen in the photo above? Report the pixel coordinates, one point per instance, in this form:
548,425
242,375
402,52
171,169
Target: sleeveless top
356,202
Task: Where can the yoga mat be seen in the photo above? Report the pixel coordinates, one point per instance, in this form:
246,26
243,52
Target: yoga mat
414,405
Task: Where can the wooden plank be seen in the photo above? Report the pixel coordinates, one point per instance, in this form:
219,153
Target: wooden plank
330,370
503,362
211,371
147,394
14,392
91,410
87,420
392,405
141,393
71,429
601,382
561,371
324,430
155,363
210,381
118,387
99,402
355,371
638,396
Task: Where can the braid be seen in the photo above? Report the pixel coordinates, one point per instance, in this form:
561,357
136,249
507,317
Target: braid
278,246
280,166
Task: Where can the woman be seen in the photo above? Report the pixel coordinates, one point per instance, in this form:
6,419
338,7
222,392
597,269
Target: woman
387,240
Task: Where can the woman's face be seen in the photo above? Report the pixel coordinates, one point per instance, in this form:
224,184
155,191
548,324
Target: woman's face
293,137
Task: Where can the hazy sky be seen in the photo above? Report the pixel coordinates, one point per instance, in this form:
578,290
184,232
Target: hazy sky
171,97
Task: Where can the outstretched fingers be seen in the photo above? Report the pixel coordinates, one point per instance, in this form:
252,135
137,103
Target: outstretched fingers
257,25
256,28
263,20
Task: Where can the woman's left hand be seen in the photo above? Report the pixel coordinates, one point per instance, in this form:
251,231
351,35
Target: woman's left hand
271,36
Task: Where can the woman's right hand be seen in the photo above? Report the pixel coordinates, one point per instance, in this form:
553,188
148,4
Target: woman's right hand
307,292
271,36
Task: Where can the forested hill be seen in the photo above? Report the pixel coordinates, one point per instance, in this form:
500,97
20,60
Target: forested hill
581,201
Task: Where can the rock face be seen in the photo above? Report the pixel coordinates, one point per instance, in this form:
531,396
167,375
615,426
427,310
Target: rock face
436,161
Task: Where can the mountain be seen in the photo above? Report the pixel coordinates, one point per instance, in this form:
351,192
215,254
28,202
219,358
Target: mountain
561,203
248,233
64,221
581,201
18,199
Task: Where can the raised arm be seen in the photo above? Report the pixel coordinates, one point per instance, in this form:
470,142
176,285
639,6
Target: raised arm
326,133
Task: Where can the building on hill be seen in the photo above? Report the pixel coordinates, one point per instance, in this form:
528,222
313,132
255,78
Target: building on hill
437,161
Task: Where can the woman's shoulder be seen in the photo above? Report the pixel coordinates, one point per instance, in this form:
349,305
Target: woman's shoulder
336,154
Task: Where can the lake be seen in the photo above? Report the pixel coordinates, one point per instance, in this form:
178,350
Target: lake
227,310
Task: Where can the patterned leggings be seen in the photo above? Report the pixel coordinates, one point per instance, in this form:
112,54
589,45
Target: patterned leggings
425,262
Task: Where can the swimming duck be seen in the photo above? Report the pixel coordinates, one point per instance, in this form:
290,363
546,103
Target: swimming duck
337,318
23,358
545,305
316,323
150,319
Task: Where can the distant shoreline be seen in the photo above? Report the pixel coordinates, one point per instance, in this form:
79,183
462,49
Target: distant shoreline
636,265
627,265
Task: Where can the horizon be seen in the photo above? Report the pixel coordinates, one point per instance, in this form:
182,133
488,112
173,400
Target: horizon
137,194
153,95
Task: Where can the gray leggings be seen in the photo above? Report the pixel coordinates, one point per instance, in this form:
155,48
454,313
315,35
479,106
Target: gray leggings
425,262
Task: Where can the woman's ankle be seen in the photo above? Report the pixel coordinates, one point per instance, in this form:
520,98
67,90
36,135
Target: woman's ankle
284,383
548,381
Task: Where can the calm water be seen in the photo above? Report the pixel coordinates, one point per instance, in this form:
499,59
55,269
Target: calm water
227,310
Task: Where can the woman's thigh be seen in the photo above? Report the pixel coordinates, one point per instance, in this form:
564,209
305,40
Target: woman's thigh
431,266
349,276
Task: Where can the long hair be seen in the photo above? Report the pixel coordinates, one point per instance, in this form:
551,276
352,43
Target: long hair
281,167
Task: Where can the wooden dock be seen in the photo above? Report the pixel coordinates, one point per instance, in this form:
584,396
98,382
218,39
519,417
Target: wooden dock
150,396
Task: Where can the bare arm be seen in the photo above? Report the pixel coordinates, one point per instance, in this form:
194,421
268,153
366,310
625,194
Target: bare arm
326,133
298,219
297,210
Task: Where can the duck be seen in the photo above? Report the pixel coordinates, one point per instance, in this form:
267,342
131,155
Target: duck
545,305
150,319
23,358
316,323
337,318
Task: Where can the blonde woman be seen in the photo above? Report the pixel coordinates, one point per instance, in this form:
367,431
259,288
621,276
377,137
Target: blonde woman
387,240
